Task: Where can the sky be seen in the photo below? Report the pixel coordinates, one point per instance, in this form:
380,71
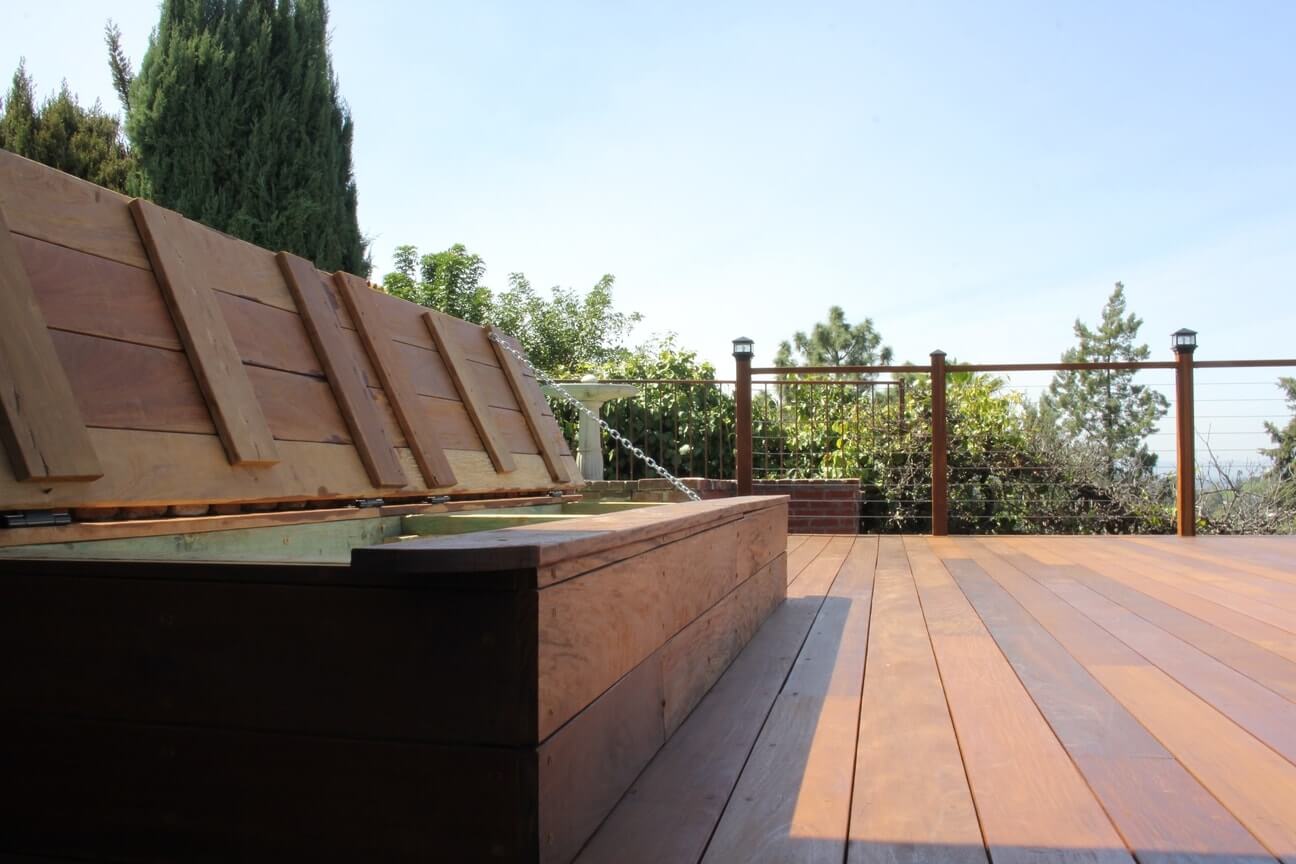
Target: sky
971,176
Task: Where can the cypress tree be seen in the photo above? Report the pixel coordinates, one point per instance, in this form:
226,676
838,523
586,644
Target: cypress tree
236,120
84,142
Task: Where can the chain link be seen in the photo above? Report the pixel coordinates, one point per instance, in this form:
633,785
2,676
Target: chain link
616,436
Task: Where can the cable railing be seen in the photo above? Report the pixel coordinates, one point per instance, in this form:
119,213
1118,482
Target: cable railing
988,448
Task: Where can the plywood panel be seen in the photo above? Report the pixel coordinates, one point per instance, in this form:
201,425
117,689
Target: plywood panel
421,437
185,264
361,414
49,205
474,402
529,399
40,425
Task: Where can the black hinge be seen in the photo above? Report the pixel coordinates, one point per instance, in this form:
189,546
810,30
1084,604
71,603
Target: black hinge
36,518
369,502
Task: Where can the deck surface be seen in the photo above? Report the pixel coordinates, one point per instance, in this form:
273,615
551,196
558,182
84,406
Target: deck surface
993,699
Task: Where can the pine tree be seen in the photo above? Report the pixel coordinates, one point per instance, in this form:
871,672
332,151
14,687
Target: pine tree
84,142
836,342
1105,407
237,122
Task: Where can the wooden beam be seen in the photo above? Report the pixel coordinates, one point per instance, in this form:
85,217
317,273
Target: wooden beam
183,263
358,408
470,393
419,434
529,398
40,423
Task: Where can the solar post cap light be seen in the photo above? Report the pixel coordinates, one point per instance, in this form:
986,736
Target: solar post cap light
1183,340
742,348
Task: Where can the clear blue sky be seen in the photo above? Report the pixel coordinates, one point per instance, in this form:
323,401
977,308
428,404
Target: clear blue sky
972,176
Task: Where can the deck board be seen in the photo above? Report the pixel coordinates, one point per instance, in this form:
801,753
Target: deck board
993,699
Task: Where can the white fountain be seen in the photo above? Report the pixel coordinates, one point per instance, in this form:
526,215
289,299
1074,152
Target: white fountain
593,395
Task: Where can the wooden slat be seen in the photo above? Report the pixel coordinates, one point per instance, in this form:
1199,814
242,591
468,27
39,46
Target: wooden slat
469,393
1028,792
362,418
40,425
528,397
805,554
1157,805
420,435
185,267
911,800
792,802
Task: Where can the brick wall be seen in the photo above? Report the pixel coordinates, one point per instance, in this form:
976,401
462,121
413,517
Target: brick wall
817,506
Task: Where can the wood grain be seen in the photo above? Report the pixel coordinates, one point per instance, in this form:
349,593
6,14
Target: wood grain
466,385
40,425
185,264
362,417
49,205
529,400
422,439
911,800
792,802
1027,790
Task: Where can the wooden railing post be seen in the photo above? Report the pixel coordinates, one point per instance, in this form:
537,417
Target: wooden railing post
743,416
1185,343
940,449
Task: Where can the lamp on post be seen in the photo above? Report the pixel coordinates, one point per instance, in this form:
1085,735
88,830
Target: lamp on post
742,352
1184,342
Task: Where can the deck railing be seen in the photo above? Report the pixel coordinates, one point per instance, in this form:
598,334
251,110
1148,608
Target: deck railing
924,459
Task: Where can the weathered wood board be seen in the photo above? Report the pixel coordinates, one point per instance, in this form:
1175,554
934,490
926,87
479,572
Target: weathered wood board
200,369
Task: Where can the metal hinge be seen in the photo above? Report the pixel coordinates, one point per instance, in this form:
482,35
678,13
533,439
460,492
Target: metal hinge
369,502
36,518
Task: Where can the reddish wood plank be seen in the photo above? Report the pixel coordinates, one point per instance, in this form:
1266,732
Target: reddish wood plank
362,418
792,802
185,266
1028,793
40,425
1121,761
529,401
422,438
911,800
465,383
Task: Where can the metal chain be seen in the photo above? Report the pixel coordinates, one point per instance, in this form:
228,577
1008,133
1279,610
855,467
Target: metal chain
612,433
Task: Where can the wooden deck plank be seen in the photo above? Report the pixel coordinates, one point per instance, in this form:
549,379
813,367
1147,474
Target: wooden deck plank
1250,554
1029,795
911,800
804,554
1267,636
1220,576
1162,812
670,812
794,542
792,802
1260,711
185,262
41,427
1247,777
1265,667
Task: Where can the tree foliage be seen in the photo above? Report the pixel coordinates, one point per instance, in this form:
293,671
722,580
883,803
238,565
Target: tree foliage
1105,407
61,133
1283,452
835,342
566,334
236,121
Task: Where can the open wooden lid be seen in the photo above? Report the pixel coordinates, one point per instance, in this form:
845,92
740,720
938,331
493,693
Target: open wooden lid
146,359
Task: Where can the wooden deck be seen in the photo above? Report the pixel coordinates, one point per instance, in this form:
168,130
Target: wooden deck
1032,699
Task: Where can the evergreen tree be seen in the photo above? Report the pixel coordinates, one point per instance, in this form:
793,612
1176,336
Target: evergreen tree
84,142
836,342
1105,407
1284,439
236,120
